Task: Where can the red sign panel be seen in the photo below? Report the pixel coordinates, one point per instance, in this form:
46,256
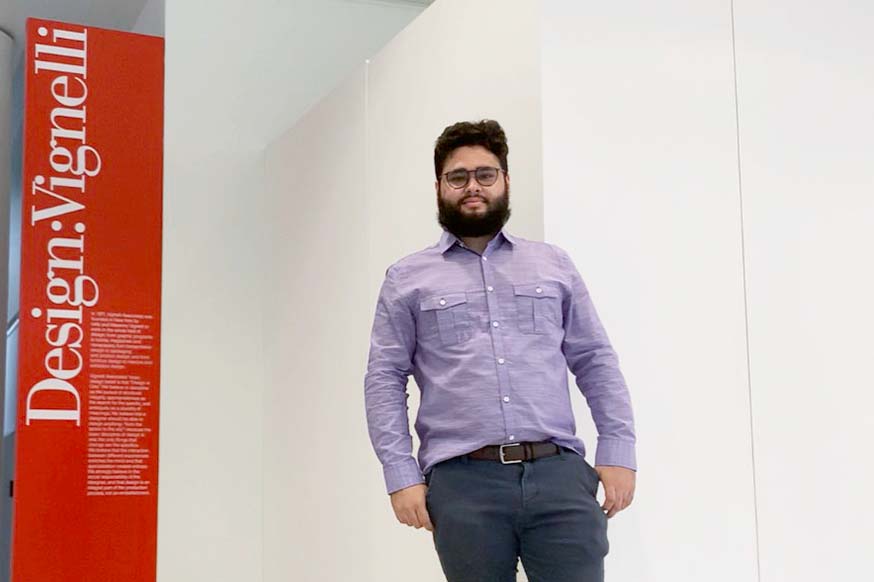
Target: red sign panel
86,474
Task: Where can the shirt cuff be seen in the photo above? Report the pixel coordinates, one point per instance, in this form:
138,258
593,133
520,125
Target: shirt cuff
403,474
616,452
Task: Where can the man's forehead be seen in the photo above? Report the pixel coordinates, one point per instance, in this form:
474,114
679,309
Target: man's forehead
470,156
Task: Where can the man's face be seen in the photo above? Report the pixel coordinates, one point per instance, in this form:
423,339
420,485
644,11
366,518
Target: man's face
474,210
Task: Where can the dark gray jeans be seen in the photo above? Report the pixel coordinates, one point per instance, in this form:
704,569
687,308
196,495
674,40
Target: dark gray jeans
488,515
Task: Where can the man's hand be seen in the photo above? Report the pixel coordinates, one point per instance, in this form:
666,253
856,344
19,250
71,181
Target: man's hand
409,506
618,487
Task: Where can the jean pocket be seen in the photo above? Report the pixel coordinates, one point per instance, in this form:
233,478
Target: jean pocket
429,481
448,315
596,479
538,307
589,475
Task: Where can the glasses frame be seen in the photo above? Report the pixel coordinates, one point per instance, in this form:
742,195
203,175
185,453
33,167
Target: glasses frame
469,173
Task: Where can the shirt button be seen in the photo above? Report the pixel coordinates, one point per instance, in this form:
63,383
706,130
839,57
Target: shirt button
512,437
490,288
500,360
495,324
485,258
506,398
539,290
442,302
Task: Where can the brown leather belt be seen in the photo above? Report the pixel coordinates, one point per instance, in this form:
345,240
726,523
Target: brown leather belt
515,452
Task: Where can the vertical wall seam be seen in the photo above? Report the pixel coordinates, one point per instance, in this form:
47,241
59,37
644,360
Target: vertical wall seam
746,301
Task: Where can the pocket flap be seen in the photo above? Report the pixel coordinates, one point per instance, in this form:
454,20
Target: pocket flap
443,301
535,290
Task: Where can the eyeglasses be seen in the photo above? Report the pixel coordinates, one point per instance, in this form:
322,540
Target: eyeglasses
485,175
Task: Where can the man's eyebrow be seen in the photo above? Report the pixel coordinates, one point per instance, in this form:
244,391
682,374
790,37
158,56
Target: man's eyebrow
483,165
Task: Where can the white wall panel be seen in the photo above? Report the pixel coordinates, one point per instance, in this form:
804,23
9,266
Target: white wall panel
640,186
321,482
212,369
236,75
806,85
212,364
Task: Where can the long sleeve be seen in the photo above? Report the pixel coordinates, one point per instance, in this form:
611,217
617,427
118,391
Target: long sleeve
392,345
595,366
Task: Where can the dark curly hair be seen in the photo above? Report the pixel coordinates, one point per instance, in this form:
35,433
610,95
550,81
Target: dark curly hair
487,133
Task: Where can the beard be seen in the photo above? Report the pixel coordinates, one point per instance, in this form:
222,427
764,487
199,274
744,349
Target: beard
462,223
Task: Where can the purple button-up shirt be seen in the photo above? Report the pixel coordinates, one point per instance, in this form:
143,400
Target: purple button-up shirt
488,339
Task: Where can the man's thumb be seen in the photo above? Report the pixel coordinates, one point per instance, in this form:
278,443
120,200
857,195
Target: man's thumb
425,519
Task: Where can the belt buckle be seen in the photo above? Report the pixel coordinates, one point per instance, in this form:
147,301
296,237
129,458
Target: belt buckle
501,453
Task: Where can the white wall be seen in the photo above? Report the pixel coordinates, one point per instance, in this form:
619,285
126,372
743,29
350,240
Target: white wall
628,158
212,376
212,370
747,471
640,186
315,454
351,191
805,88
234,75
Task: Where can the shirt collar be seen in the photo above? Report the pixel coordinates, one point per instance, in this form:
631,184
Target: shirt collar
447,239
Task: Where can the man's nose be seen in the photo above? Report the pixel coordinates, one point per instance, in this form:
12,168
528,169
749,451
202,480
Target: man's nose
473,186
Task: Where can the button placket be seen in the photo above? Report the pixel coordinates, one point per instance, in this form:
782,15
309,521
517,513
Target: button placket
498,345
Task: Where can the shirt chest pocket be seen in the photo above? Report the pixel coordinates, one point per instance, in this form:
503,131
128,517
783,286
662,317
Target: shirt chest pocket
538,307
446,317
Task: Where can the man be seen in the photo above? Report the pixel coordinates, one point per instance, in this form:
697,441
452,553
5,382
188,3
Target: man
488,323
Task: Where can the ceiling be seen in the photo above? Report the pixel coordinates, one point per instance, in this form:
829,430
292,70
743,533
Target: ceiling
321,41
118,14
